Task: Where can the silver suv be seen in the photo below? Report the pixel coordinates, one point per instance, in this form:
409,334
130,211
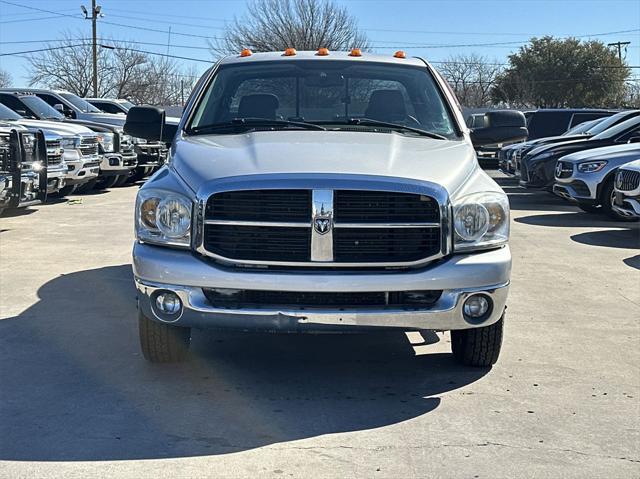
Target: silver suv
627,190
322,191
586,178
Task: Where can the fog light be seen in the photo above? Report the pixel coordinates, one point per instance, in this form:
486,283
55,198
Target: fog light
476,307
114,162
168,303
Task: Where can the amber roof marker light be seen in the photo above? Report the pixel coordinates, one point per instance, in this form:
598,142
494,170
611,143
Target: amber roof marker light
289,52
246,53
322,52
400,54
355,52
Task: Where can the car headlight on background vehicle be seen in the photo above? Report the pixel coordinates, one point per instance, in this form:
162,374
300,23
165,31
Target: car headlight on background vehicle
481,221
106,140
591,166
163,217
30,147
70,142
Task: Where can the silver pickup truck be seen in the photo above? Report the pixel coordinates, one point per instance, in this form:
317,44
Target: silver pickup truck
322,191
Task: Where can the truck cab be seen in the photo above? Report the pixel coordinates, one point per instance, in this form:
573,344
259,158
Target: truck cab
322,192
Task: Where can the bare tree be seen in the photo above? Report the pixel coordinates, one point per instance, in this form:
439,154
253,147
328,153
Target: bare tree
472,78
5,79
123,72
273,25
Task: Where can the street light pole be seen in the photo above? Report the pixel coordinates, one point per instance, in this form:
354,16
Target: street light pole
95,12
94,18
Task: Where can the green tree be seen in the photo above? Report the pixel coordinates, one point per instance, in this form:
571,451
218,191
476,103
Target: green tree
557,73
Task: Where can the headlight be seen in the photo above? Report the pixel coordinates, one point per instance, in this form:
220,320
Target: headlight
163,217
70,142
106,140
591,166
480,221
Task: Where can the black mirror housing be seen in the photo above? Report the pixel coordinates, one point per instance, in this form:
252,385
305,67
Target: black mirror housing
148,122
501,126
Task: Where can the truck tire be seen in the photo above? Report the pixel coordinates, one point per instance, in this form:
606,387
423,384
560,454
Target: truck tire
67,190
478,347
109,182
88,186
163,343
606,199
122,180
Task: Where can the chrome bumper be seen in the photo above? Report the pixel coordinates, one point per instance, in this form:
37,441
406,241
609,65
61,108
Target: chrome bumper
157,268
82,171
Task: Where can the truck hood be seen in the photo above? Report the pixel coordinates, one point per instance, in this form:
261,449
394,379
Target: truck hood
109,118
629,152
55,126
199,159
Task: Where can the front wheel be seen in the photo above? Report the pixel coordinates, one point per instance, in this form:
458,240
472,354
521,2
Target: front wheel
479,347
607,197
163,343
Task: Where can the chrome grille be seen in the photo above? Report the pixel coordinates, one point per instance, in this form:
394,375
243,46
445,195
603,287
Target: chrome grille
627,180
54,152
564,169
89,146
300,227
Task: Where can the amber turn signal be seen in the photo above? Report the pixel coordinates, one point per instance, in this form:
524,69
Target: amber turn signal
289,52
355,52
400,54
246,53
323,52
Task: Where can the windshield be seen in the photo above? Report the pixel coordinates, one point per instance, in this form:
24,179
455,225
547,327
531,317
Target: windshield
582,127
79,103
331,93
41,108
7,113
619,129
125,104
610,121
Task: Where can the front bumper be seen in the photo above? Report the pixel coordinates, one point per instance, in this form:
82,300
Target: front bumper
82,171
56,177
158,268
118,164
627,206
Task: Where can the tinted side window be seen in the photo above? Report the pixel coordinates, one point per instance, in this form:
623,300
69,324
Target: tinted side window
107,107
12,102
548,123
582,117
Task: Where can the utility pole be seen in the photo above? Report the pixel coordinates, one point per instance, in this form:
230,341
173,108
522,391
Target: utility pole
95,13
619,46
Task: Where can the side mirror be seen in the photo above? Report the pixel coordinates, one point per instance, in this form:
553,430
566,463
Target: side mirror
501,126
59,107
149,123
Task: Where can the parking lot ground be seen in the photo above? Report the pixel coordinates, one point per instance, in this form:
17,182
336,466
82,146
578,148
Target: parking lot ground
78,400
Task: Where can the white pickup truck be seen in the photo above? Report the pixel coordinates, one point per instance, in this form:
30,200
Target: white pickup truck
322,191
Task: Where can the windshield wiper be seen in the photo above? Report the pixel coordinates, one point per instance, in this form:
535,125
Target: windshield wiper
239,123
393,126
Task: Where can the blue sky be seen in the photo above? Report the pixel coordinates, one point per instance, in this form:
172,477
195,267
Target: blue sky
390,24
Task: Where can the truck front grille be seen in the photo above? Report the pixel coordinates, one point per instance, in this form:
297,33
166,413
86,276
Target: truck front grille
339,228
89,146
247,298
627,180
54,152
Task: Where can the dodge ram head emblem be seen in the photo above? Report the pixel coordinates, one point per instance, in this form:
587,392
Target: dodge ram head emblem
322,224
